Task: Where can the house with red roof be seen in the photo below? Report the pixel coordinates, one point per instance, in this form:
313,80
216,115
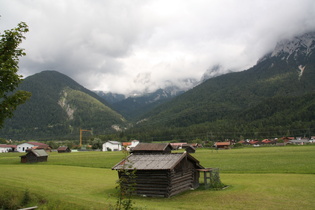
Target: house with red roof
223,145
7,148
32,145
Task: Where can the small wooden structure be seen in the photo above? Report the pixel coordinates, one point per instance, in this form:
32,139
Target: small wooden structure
190,149
63,149
160,174
158,148
211,178
34,156
223,145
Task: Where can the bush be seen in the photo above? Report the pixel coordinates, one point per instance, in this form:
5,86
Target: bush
10,200
237,145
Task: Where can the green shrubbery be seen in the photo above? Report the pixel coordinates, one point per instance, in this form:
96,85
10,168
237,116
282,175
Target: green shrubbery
10,199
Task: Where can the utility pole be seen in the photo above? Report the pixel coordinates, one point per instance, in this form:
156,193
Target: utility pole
81,130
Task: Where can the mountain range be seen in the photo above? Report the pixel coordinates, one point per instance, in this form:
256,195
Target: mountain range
275,97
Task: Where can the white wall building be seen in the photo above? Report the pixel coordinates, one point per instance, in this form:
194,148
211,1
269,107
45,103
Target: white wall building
29,145
112,146
6,148
23,147
134,143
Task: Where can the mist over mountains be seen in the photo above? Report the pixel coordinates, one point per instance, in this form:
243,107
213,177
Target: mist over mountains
273,98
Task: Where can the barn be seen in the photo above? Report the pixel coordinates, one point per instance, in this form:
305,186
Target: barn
34,156
160,174
157,148
63,149
223,145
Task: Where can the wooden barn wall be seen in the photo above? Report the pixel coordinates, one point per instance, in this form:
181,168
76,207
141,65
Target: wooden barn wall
184,177
152,183
32,158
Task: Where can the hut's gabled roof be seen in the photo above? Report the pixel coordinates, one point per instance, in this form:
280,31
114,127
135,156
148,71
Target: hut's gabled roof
40,152
62,148
154,161
37,152
154,147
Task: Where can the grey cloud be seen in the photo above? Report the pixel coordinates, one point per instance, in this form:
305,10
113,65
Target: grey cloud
127,46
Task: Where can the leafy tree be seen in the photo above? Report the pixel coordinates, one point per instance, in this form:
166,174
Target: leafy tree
2,141
96,143
9,79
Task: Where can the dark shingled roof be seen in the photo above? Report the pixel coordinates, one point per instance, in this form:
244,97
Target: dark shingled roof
151,147
62,148
37,152
154,161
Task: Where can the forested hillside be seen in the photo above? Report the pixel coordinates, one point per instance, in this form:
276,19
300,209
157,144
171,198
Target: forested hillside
58,108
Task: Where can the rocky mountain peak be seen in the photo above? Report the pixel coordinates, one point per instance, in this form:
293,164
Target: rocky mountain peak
303,44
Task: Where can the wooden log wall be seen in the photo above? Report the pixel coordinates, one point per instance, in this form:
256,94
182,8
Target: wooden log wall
165,183
151,183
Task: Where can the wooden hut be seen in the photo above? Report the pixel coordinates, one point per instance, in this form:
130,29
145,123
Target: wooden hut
160,174
190,149
223,145
34,156
63,149
151,148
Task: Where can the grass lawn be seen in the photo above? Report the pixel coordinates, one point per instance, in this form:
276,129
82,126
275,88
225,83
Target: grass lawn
260,178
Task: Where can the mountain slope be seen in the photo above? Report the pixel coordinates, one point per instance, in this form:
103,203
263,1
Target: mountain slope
133,107
287,72
58,108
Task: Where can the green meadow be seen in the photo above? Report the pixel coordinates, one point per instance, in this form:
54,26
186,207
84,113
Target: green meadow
260,178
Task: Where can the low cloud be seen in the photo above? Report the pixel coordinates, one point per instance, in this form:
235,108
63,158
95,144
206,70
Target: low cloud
128,46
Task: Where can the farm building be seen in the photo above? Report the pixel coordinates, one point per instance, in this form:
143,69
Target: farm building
190,149
63,149
222,145
152,148
130,145
177,146
32,145
112,146
160,174
34,156
7,148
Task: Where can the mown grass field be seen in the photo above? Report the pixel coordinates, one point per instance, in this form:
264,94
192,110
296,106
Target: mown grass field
260,178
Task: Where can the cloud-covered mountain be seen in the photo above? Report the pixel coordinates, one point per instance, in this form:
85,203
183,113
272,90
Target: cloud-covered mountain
276,95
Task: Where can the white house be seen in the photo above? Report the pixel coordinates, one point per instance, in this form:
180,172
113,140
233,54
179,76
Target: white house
29,145
129,145
7,148
112,146
134,143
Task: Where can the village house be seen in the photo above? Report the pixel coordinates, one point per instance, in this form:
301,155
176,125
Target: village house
222,145
32,145
112,146
177,146
152,148
7,148
299,142
159,174
34,156
130,145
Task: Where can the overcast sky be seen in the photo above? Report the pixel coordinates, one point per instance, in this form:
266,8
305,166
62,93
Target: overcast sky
124,46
